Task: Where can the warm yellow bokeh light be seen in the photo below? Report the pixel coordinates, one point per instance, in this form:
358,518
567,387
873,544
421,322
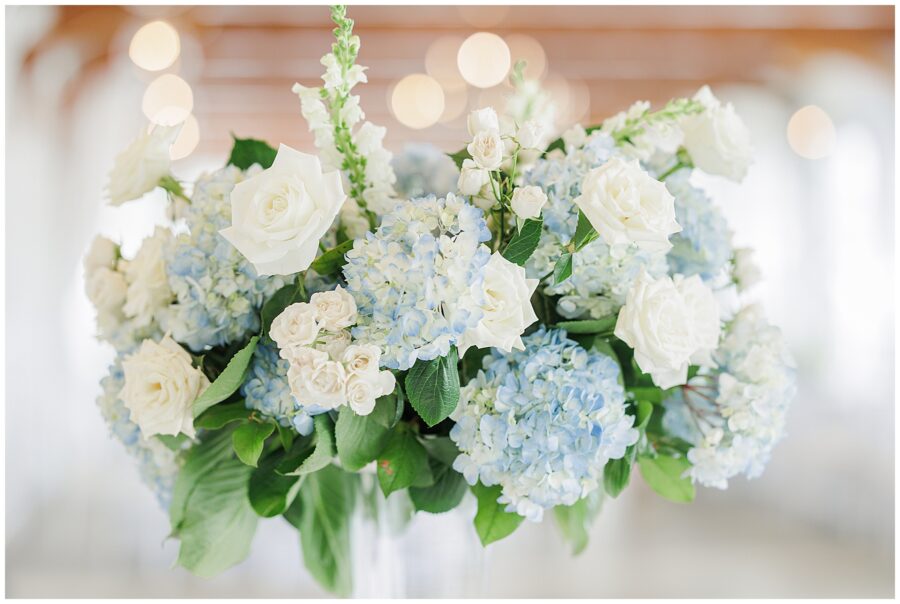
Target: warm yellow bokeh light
155,46
483,59
525,48
440,62
810,133
187,139
168,100
417,101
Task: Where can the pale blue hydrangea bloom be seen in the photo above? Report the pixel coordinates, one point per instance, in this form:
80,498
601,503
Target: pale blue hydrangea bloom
218,293
599,281
267,390
735,414
417,280
158,465
423,169
542,423
703,247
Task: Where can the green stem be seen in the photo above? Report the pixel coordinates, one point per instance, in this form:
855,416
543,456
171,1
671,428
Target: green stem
678,166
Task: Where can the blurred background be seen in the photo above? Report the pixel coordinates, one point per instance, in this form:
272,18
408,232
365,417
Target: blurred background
817,205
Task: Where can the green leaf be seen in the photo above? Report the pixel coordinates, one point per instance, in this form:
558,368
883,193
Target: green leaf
460,156
220,415
174,443
433,388
563,268
218,523
651,394
642,415
617,474
274,306
325,506
199,460
445,494
588,326
331,261
306,457
664,475
492,522
523,243
271,493
360,439
575,520
286,436
228,381
584,232
171,186
403,462
249,439
249,151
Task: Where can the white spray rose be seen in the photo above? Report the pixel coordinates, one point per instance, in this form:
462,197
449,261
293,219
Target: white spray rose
315,380
472,179
670,323
506,308
362,359
364,389
279,215
574,137
139,167
106,289
528,201
483,119
160,387
102,253
627,205
148,284
334,343
335,309
746,271
530,135
487,149
295,328
717,139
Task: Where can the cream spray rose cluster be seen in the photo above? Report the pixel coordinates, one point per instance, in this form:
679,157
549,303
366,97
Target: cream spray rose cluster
302,339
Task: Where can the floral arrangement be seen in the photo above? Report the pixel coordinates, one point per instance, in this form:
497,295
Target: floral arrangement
528,319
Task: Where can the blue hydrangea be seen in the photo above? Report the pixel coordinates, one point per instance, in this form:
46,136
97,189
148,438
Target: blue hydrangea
267,390
218,293
423,169
417,280
542,423
599,280
158,465
703,247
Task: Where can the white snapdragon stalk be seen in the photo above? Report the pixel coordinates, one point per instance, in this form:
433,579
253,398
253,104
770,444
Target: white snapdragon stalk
717,139
139,168
280,214
161,385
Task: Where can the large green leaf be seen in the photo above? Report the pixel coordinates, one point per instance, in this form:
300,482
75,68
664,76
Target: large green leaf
324,508
228,381
584,232
492,522
524,242
199,460
589,326
445,494
274,306
218,523
249,151
563,268
271,493
308,456
249,439
218,416
361,438
460,156
433,388
575,520
331,261
403,462
664,474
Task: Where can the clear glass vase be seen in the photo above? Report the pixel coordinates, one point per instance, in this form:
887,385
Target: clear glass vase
398,553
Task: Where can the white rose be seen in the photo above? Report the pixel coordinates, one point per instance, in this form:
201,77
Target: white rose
334,343
487,149
161,385
670,324
528,201
102,253
106,289
148,284
295,328
362,359
746,271
482,119
472,179
335,309
626,205
506,308
139,167
717,139
317,381
364,389
279,215
530,135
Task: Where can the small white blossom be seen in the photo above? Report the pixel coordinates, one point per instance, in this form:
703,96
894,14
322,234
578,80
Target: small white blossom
527,201
142,164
